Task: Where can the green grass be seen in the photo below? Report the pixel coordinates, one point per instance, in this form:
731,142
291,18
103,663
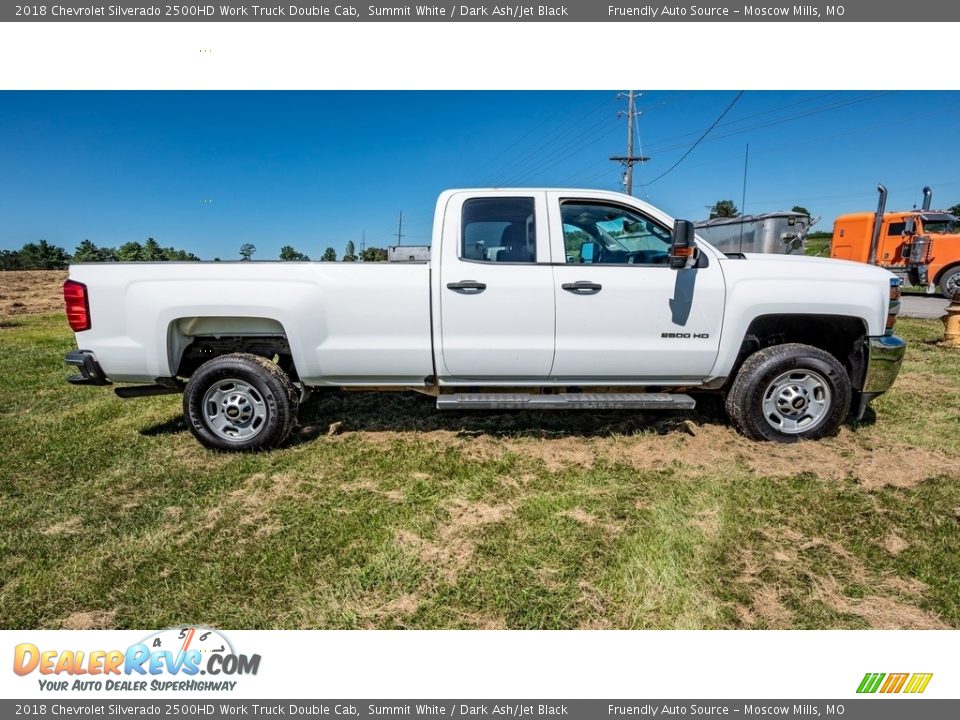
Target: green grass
818,246
112,515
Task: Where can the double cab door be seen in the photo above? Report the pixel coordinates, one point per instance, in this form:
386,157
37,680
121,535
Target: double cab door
550,287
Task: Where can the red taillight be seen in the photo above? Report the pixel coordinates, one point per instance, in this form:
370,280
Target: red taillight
78,307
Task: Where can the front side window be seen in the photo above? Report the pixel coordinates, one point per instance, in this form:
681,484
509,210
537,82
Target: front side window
601,233
499,229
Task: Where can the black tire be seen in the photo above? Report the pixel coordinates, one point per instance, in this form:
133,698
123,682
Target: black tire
802,387
950,282
262,400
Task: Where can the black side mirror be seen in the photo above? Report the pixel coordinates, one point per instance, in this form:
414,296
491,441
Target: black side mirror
683,251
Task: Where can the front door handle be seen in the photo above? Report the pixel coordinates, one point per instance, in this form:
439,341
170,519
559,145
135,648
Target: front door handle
467,287
582,287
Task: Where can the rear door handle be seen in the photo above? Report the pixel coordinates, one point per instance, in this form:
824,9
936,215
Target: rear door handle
467,287
582,287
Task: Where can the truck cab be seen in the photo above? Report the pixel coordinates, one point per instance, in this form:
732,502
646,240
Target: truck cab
921,246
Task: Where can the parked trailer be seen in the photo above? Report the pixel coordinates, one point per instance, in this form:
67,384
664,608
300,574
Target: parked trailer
776,233
408,253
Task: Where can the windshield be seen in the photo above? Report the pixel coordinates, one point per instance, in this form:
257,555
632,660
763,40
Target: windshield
940,225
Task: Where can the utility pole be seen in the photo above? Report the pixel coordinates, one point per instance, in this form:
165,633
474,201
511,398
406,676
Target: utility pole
363,243
629,160
400,229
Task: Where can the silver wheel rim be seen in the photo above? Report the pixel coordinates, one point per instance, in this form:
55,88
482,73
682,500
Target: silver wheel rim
952,284
796,401
234,410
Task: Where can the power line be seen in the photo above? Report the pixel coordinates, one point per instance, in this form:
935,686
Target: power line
690,134
699,140
551,139
780,121
564,152
523,137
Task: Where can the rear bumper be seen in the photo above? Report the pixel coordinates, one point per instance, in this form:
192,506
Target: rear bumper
89,370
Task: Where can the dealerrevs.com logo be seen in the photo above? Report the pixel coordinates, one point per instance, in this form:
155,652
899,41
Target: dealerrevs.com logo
179,659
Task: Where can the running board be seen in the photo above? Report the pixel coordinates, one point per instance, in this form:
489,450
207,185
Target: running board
566,401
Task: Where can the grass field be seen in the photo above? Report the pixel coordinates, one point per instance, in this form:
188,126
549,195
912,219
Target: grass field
382,513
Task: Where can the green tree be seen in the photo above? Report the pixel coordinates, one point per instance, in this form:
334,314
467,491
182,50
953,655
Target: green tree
10,260
329,255
724,209
247,250
171,253
130,252
954,210
43,256
152,252
349,252
374,254
801,209
86,251
290,253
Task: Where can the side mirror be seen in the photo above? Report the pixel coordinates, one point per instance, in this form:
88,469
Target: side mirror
683,251
910,226
588,252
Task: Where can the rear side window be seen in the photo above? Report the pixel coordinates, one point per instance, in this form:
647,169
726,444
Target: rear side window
499,229
896,228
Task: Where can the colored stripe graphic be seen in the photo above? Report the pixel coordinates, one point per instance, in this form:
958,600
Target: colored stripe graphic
870,682
894,683
918,683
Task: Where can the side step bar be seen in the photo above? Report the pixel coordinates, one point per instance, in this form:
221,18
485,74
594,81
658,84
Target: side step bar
566,401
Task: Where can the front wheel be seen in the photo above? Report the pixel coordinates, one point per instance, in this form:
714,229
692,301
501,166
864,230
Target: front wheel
789,392
950,283
240,402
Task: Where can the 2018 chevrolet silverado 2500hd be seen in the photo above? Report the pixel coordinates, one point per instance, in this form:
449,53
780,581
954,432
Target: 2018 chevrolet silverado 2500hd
531,299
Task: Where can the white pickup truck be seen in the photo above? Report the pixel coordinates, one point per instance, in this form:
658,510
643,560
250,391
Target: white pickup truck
531,299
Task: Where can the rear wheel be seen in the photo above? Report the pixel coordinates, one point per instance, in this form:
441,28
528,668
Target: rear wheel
950,283
240,402
789,392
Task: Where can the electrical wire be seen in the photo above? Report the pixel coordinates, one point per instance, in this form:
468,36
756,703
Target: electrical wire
699,140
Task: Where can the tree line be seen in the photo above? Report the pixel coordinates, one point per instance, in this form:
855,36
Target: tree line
350,254
42,255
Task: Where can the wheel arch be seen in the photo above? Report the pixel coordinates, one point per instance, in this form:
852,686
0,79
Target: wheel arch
192,340
840,335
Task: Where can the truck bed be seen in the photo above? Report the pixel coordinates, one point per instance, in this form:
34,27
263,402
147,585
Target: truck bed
347,323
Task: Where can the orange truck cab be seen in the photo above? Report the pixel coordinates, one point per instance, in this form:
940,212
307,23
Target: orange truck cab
921,246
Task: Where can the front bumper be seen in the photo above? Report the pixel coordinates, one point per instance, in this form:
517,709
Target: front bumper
884,358
89,370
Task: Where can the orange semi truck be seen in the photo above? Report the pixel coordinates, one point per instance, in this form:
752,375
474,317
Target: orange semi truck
921,246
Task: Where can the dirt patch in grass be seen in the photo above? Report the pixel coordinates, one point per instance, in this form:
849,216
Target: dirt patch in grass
88,620
880,613
371,486
31,292
773,574
894,544
66,527
457,537
580,515
691,449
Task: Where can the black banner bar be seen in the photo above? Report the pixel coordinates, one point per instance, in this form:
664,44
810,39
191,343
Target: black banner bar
482,11
874,708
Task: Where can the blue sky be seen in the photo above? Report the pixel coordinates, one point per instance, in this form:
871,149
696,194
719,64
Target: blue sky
209,171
